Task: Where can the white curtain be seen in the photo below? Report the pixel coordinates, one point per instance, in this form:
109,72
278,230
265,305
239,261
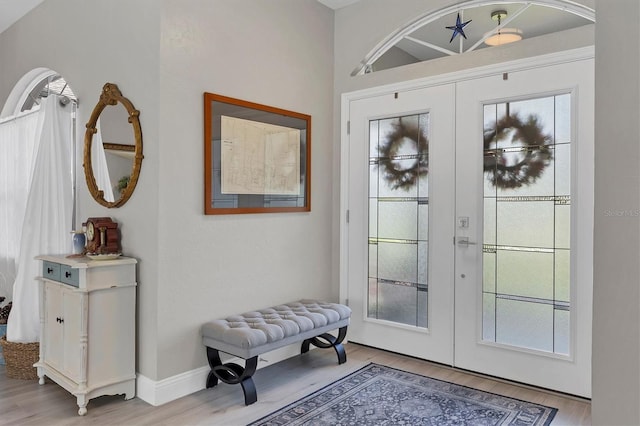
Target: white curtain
47,221
99,165
17,153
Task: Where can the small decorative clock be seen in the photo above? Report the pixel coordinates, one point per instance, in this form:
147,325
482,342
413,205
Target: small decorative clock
102,236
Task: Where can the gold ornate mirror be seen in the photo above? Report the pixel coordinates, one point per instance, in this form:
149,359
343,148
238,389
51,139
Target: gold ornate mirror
112,151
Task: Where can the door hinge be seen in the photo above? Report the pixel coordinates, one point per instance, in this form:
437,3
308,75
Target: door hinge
347,216
346,301
349,127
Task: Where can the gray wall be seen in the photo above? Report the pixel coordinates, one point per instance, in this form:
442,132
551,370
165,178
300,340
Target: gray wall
616,307
164,55
277,53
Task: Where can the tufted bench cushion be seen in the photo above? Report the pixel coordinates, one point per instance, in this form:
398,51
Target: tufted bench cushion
253,333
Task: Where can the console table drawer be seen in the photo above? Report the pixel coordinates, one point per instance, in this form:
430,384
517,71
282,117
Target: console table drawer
51,270
69,275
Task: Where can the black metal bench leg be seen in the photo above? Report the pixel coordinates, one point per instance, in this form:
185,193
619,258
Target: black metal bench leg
233,374
328,341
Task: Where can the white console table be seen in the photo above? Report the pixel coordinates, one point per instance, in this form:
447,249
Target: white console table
88,323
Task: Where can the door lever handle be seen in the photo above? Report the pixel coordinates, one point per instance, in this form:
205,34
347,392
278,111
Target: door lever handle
464,242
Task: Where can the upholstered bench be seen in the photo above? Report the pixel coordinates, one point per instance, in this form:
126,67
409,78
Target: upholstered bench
251,334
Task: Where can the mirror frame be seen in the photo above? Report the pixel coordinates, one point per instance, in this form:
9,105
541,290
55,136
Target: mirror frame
111,95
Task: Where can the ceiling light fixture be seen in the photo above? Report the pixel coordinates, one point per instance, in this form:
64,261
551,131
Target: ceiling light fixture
504,35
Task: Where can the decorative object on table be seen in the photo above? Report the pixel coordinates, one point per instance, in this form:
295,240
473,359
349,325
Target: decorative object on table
93,305
458,28
95,173
257,158
78,240
102,235
377,394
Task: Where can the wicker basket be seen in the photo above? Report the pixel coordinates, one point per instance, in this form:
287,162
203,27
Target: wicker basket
19,359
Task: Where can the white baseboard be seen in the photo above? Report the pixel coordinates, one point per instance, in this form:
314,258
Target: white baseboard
166,390
158,392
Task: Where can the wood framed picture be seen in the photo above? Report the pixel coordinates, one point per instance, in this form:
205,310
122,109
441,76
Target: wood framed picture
257,158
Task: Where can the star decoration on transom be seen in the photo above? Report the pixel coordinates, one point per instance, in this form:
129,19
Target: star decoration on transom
458,28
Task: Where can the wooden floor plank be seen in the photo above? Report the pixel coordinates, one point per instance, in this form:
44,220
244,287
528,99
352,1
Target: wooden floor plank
24,402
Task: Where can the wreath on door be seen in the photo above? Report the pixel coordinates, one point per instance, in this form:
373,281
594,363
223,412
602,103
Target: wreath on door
516,151
395,169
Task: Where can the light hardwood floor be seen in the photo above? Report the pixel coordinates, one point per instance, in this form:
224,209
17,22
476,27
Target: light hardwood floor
27,403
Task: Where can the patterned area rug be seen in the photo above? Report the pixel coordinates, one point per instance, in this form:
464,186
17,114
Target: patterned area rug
380,395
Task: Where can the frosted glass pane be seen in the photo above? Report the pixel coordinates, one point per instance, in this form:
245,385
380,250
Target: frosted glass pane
373,260
561,328
373,138
373,218
397,262
489,272
423,257
423,181
489,317
398,303
524,324
373,180
563,226
563,276
490,189
372,307
385,128
423,184
541,185
490,112
423,222
563,118
541,108
527,274
526,224
563,169
398,220
489,221
392,177
423,298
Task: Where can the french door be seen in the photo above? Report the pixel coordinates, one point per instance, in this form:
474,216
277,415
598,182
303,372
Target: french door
469,233
400,252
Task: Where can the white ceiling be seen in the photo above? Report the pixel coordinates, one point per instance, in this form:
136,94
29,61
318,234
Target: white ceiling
12,10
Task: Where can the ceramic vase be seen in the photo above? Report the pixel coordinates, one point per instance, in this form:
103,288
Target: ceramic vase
79,241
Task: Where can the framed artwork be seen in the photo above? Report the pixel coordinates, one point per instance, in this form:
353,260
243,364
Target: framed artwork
257,158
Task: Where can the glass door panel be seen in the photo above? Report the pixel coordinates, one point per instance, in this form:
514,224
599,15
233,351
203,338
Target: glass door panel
399,286
526,222
399,219
524,147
